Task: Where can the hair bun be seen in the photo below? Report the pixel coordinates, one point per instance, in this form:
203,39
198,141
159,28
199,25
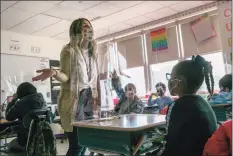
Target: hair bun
199,60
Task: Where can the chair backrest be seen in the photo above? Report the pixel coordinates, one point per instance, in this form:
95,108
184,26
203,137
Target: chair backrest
36,115
30,120
220,113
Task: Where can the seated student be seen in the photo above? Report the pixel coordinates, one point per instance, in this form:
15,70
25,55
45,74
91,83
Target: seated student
129,102
220,142
190,118
25,100
225,83
162,100
225,95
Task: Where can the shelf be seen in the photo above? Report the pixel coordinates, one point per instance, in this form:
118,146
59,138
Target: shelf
55,85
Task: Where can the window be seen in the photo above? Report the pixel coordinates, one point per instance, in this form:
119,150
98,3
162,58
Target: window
137,78
216,60
158,73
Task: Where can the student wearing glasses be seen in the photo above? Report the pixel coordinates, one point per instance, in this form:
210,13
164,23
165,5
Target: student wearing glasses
161,100
190,119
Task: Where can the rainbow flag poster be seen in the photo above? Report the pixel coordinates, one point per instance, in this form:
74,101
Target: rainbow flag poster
159,40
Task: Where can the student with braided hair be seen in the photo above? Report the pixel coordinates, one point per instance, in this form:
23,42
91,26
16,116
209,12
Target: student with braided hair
190,118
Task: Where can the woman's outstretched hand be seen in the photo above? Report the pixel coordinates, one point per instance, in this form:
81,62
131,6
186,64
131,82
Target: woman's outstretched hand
45,74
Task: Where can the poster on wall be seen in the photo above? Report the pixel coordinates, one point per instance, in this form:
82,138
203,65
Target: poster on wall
225,25
159,40
44,63
202,28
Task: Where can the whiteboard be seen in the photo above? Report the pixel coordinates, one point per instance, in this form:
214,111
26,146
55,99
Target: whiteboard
16,69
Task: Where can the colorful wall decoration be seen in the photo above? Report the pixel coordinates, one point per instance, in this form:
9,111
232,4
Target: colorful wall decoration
159,40
202,28
225,25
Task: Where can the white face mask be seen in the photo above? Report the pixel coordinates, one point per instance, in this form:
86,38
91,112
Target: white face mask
160,90
129,94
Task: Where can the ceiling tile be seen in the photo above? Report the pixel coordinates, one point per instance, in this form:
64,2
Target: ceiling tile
103,9
80,5
206,1
168,3
34,6
145,7
7,4
62,36
185,5
164,12
100,23
34,24
138,21
101,32
120,16
124,4
56,2
118,27
13,16
68,13
54,29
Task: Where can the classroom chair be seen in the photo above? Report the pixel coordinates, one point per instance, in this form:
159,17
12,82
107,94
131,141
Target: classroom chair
29,123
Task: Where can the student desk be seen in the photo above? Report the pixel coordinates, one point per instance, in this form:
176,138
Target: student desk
118,134
4,124
5,130
221,112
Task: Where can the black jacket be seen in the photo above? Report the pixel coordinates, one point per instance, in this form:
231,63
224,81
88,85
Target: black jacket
192,122
17,109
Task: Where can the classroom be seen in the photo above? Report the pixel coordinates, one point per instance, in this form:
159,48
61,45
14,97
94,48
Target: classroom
127,78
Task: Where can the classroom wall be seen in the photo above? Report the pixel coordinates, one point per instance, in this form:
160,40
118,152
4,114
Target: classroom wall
50,48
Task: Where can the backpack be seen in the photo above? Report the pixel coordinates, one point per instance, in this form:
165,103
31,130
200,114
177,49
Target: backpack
43,142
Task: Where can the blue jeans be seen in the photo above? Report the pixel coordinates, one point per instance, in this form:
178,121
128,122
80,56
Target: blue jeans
85,98
74,148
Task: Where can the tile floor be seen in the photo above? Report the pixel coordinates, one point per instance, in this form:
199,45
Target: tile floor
61,148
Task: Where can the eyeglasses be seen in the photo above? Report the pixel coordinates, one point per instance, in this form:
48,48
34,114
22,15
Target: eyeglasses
168,76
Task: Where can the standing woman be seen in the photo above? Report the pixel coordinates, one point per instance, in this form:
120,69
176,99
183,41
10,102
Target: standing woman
78,76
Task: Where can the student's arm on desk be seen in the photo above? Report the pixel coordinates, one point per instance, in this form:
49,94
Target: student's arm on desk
17,109
10,104
151,101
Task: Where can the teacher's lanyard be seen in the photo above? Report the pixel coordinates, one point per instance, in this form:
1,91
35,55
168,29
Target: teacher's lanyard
88,66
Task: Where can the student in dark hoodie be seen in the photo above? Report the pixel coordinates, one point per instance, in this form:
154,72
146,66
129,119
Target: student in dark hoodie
190,118
25,100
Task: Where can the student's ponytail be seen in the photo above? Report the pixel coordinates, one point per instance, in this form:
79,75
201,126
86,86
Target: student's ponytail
208,72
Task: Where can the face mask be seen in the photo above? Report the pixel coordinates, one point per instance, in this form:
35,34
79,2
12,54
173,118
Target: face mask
129,94
89,36
172,84
160,90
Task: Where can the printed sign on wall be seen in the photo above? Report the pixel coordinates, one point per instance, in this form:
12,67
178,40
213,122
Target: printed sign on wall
225,25
159,40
